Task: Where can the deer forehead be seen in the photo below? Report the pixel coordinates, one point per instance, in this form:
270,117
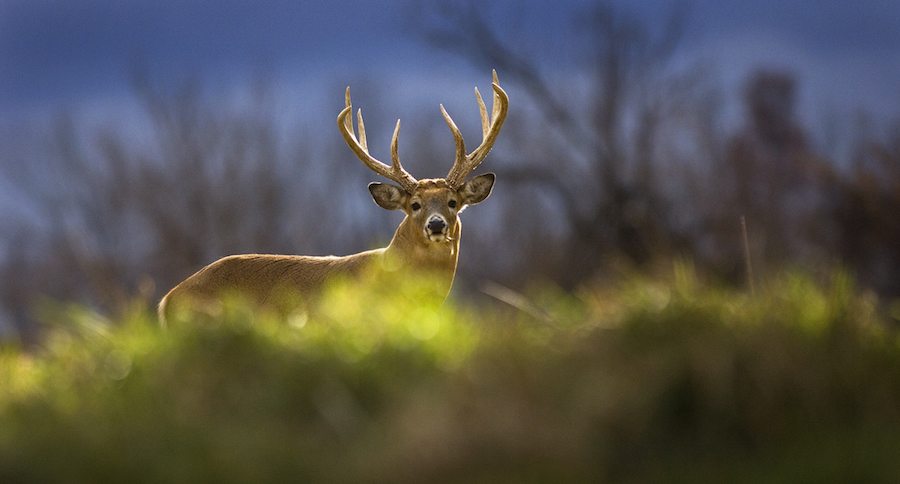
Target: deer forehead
433,188
432,184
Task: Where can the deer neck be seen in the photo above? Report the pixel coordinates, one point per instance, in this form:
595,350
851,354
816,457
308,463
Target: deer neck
409,250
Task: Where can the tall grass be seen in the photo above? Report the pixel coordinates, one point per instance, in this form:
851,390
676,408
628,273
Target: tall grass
645,381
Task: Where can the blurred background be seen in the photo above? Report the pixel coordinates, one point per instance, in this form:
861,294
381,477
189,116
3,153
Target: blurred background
142,140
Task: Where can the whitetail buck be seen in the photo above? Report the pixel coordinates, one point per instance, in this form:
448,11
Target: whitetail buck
426,242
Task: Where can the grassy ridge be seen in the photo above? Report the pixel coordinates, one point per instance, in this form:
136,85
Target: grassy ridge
644,381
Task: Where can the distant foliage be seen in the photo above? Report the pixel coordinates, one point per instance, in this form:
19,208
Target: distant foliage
645,381
631,162
620,158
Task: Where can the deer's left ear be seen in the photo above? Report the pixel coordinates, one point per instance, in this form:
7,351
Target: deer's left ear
477,189
387,196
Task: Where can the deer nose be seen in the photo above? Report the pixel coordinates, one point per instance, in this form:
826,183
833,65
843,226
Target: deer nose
436,225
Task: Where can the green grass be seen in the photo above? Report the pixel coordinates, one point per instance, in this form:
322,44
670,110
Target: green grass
644,381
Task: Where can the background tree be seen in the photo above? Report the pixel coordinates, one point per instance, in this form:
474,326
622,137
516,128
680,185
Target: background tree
599,152
771,176
622,165
118,215
864,205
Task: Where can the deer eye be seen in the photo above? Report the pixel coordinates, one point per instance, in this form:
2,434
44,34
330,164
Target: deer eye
451,204
416,205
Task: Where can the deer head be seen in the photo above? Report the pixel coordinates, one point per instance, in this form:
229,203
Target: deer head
432,206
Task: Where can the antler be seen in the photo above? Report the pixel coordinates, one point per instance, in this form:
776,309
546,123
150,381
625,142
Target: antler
490,128
394,172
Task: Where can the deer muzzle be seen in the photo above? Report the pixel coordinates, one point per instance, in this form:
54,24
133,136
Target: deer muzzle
436,228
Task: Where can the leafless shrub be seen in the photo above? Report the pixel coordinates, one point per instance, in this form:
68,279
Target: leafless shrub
116,213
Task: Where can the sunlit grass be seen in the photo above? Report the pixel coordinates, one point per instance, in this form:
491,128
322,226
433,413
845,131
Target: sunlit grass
644,380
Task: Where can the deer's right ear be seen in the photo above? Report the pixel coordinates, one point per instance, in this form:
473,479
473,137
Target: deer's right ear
387,196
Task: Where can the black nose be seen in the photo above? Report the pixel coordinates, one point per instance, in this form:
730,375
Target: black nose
436,225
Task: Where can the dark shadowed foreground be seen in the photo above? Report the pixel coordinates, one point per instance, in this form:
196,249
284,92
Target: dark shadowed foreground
631,153
643,382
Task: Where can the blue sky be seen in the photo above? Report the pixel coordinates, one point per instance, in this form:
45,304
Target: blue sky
77,56
54,51
63,53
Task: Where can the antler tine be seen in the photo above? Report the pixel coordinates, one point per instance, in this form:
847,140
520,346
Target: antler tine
496,102
394,172
489,130
485,121
500,109
362,130
457,137
395,154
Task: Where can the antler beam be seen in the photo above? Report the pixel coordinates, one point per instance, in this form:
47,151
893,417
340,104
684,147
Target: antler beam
359,146
490,128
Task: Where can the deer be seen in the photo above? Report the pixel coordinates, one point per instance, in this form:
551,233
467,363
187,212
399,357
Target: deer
426,241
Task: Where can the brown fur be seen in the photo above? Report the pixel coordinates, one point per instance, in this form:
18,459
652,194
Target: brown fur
427,241
259,277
